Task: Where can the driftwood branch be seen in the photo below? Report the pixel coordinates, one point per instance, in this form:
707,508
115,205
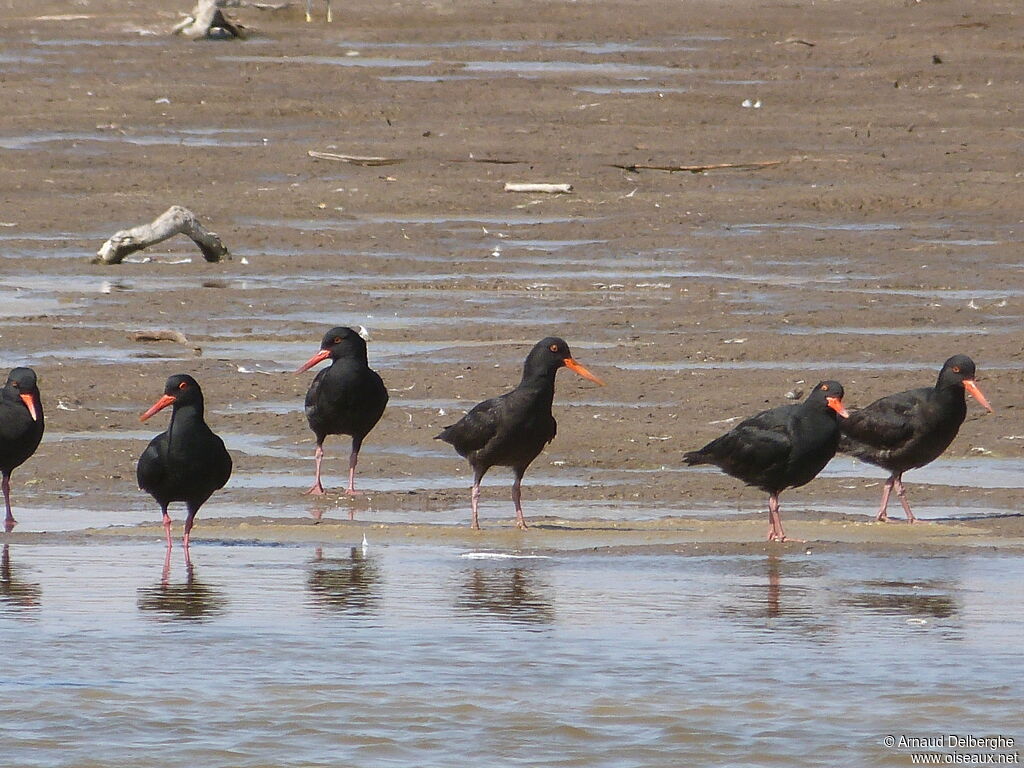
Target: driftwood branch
160,335
634,167
175,220
514,186
207,20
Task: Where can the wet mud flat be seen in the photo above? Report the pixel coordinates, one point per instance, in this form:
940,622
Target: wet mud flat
885,237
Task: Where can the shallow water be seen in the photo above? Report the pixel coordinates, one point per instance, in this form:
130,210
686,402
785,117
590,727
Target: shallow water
410,656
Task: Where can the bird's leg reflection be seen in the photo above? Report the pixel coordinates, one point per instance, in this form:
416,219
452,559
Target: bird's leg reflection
348,584
190,601
166,576
774,587
515,594
14,591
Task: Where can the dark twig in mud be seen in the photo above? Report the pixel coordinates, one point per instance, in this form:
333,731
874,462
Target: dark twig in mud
636,167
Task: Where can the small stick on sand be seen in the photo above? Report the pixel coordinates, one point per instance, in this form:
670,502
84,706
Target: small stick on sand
513,186
175,220
354,159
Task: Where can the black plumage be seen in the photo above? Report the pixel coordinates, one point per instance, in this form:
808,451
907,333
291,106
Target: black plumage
21,428
784,447
186,463
912,428
346,398
512,430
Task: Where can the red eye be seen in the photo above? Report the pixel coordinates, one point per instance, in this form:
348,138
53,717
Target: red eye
824,387
553,347
337,339
183,385
956,369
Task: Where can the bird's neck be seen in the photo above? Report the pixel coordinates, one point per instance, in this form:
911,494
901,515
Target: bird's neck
543,383
185,415
949,394
351,360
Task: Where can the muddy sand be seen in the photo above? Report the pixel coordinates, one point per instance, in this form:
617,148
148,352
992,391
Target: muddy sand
882,235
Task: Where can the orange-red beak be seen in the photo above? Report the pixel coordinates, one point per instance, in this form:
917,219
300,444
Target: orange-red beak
836,404
159,405
575,367
30,403
972,388
319,357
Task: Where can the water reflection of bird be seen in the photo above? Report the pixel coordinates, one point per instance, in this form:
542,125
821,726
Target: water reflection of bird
512,430
346,398
347,584
15,592
905,598
192,600
21,429
514,594
785,447
186,463
913,428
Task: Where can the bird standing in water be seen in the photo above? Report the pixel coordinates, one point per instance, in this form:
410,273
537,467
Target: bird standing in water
512,430
186,463
346,398
21,429
785,447
913,428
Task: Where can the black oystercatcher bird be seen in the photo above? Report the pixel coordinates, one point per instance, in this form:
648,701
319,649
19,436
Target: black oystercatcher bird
347,398
186,463
910,429
21,428
512,430
785,447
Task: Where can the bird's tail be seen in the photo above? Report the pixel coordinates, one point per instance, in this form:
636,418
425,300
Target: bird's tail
695,457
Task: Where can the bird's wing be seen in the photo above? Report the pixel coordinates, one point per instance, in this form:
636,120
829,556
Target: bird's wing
150,469
474,430
313,393
761,443
886,423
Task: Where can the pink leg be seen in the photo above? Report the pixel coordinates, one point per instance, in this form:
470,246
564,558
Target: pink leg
901,492
517,497
474,501
9,521
776,533
353,459
189,521
167,528
773,515
317,489
883,515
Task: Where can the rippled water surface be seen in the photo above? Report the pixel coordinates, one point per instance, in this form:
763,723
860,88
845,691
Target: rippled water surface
415,656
